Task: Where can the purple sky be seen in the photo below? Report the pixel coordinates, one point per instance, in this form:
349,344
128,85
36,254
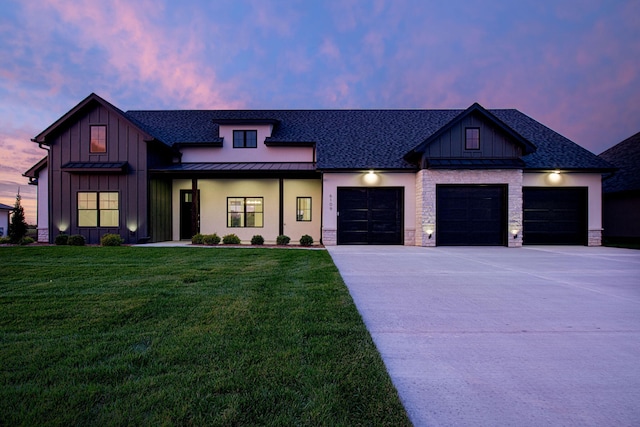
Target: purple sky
572,65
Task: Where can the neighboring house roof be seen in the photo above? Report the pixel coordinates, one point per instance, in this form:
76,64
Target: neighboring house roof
626,157
4,207
34,172
364,139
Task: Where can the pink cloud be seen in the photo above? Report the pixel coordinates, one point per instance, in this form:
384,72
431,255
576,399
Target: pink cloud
330,50
16,157
140,52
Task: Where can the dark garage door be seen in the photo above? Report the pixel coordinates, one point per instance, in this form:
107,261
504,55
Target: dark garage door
470,215
555,216
370,216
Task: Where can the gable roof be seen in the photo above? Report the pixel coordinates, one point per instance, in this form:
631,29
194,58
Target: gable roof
626,157
478,110
368,139
34,170
5,207
72,114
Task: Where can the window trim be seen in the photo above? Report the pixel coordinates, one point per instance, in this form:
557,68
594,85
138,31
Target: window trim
244,138
467,140
299,217
243,217
91,139
98,209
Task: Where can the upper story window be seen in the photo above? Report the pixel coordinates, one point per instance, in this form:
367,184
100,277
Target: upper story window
245,139
98,139
472,139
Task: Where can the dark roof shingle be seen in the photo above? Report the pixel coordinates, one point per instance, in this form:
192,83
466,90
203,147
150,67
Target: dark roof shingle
362,139
626,157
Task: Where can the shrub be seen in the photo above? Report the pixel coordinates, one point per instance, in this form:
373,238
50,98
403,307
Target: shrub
211,239
62,239
283,240
111,240
76,240
5,240
197,239
306,240
257,240
17,225
26,240
231,239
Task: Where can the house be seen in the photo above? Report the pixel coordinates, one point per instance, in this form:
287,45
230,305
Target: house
5,211
403,177
621,199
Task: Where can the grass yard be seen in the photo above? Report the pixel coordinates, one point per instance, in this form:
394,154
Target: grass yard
185,336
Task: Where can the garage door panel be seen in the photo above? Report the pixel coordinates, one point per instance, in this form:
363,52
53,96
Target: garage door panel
555,216
470,215
370,215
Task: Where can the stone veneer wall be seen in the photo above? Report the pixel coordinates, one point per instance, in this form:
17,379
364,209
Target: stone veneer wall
427,180
594,238
43,235
329,237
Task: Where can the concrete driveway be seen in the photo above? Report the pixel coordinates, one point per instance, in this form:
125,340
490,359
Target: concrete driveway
537,336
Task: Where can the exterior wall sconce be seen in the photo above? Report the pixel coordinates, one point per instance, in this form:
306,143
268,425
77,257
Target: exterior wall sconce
429,232
515,233
371,178
555,176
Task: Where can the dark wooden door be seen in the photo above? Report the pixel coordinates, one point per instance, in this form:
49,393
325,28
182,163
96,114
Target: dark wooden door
555,216
470,215
370,216
186,205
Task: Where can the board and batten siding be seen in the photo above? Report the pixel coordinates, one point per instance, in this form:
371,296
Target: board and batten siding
124,143
494,144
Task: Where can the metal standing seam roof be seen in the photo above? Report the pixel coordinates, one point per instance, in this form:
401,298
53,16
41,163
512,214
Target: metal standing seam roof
363,139
234,167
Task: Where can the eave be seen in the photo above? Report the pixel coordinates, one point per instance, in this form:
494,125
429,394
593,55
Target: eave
93,99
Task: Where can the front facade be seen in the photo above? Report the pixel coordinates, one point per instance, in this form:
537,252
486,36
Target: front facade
403,177
5,211
621,193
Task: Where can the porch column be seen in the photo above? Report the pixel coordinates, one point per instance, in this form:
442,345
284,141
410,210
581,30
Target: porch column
195,221
281,207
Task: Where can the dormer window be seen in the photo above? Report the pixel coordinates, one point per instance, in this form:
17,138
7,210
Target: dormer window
472,139
245,139
98,139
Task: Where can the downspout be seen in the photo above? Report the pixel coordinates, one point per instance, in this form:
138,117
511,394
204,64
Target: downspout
281,207
47,148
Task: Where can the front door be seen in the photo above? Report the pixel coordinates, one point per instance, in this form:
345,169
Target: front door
186,206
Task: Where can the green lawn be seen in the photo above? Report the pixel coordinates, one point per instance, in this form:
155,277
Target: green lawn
184,336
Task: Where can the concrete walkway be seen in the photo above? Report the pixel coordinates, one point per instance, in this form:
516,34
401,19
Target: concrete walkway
537,336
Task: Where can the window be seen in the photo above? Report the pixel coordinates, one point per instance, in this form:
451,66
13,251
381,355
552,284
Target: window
98,209
98,139
245,139
244,212
472,139
303,209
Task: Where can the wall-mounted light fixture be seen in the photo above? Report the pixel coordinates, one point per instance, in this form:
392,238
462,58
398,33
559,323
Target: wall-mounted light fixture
515,233
62,227
555,176
132,227
429,232
371,178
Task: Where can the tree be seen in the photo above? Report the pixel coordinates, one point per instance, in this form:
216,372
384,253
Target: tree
18,226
